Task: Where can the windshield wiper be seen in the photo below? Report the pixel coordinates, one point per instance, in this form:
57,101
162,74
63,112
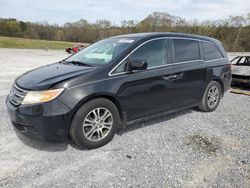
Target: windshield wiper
78,63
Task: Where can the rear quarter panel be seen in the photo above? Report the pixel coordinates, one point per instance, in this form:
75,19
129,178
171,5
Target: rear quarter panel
220,70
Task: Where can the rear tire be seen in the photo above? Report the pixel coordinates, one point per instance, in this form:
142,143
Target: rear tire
94,124
211,97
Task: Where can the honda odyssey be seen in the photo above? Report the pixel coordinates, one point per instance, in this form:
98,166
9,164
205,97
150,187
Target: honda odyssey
89,95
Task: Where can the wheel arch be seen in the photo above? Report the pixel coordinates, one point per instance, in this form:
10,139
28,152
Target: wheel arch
221,84
108,96
215,74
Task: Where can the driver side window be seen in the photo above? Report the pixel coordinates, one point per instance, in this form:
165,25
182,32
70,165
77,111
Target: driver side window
153,52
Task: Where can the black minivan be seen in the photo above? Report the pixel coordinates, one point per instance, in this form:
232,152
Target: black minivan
89,95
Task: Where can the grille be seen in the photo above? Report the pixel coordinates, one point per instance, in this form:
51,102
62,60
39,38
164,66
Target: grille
17,95
240,76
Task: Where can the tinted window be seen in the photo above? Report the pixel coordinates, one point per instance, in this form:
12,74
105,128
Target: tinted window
210,51
186,50
153,52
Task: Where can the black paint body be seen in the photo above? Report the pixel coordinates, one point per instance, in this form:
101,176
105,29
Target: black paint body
137,95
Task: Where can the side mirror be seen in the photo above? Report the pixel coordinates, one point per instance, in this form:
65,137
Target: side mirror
136,64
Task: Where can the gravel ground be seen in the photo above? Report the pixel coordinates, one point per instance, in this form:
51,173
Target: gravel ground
186,149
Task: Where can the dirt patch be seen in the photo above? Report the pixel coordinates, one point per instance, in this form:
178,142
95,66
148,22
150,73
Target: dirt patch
203,143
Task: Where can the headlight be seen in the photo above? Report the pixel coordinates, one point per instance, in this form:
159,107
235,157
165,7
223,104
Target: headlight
41,96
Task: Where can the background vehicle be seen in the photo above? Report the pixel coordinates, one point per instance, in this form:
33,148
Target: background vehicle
241,70
75,49
89,96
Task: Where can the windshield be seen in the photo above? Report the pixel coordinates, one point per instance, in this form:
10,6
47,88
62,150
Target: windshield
102,52
242,60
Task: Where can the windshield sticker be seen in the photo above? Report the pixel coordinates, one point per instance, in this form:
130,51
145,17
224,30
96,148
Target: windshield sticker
125,41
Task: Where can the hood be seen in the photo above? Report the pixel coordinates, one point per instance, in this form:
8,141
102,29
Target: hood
241,70
46,76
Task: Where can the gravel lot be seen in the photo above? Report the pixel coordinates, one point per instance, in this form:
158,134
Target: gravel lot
186,149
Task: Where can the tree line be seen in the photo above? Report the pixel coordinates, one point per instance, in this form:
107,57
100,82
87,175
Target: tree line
233,32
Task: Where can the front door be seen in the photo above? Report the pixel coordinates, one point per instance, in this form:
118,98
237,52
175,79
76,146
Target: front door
146,92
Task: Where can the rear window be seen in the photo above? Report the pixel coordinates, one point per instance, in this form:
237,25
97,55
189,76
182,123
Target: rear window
211,51
186,50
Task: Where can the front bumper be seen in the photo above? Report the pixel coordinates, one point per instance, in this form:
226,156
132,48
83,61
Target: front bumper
47,121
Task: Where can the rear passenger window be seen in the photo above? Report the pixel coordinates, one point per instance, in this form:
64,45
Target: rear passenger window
210,51
186,50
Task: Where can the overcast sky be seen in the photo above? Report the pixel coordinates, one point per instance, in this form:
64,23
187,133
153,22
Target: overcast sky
61,11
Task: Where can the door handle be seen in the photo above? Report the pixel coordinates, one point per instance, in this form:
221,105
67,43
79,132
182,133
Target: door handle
173,76
170,77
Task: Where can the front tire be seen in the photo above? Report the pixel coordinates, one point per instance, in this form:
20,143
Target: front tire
211,97
94,124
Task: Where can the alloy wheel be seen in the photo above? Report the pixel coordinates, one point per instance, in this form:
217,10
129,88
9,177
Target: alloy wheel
213,96
97,124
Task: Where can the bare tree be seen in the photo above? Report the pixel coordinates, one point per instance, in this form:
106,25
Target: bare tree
238,22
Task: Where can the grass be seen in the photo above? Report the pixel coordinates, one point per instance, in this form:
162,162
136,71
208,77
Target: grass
11,42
